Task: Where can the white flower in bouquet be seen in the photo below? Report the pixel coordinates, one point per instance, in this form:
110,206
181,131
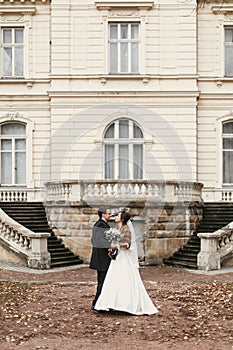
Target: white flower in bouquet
113,234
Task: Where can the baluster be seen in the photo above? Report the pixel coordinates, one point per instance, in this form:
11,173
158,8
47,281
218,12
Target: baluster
149,190
140,194
12,234
21,195
17,236
99,190
227,240
63,189
102,189
21,240
96,191
231,236
8,231
156,190
119,190
128,189
69,190
112,187
4,229
221,242
27,243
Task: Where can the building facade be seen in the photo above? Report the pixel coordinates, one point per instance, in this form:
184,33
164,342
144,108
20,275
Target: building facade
111,93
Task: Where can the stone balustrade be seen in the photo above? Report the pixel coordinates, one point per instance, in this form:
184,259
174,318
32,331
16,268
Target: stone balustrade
123,191
8,195
214,247
30,245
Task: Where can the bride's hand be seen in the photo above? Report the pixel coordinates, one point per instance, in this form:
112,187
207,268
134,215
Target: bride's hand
124,245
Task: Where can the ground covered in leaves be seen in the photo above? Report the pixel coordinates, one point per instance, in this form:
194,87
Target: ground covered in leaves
52,311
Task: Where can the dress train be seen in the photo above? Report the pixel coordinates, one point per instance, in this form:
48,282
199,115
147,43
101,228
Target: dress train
123,289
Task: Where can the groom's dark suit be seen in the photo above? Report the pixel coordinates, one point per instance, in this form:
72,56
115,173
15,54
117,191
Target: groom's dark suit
99,258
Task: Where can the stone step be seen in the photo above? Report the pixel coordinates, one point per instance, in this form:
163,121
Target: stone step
32,215
215,216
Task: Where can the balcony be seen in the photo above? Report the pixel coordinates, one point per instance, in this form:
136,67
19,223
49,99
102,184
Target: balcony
122,192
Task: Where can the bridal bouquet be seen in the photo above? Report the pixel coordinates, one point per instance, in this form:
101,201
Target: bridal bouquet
113,235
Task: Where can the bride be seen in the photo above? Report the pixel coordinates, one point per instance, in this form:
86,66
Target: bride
123,289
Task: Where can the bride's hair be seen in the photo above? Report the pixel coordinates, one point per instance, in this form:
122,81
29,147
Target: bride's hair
125,217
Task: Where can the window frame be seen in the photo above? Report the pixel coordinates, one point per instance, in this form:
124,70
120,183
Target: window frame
116,142
225,44
13,45
119,41
226,136
29,124
21,17
13,151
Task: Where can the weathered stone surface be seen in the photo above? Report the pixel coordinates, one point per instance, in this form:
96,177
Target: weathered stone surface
163,229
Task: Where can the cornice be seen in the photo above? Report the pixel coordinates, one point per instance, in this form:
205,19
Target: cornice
130,94
23,1
26,10
125,4
222,9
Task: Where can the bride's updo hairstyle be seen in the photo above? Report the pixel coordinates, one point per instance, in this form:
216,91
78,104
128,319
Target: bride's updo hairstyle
125,217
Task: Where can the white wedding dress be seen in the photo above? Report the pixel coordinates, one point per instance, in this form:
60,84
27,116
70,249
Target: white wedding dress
123,289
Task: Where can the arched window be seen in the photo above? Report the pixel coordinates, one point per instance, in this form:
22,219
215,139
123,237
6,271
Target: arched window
227,147
123,150
13,153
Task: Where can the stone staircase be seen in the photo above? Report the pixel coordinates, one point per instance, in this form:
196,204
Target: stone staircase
215,216
32,215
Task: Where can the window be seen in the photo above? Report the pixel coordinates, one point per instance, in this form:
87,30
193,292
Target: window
227,140
228,51
12,52
124,48
123,150
13,154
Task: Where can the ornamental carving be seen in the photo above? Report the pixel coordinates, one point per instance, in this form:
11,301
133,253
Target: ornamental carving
11,18
12,115
228,17
124,13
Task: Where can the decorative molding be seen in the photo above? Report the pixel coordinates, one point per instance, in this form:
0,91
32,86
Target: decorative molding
23,1
12,115
125,13
229,17
25,10
222,9
229,114
124,4
18,18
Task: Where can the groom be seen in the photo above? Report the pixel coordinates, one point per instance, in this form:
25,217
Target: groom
99,259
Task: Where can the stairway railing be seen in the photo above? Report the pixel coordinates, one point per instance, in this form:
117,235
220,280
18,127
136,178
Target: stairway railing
214,247
32,246
122,191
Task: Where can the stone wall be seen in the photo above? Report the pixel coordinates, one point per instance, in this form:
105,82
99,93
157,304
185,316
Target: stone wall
161,229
